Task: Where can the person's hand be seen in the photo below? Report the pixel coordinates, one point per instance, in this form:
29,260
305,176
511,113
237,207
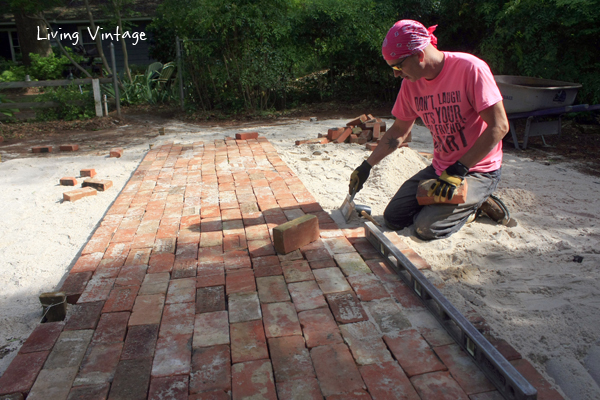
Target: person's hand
444,187
359,177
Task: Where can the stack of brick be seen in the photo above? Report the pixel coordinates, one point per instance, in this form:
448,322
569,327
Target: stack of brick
364,129
180,294
89,187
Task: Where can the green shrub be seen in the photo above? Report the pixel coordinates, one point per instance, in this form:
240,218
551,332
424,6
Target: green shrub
72,104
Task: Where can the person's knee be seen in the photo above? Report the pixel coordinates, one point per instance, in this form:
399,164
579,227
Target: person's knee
428,229
393,222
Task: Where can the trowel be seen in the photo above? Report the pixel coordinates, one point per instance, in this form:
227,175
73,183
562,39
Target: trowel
348,207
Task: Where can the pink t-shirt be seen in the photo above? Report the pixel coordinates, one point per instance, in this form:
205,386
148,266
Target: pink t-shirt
449,105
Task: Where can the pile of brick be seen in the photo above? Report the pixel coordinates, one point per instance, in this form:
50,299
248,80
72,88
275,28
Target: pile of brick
364,129
89,187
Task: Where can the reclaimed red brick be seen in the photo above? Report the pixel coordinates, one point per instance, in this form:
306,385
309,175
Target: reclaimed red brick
155,284
116,152
99,364
296,271
351,264
438,385
358,120
172,356
147,310
22,372
387,381
323,264
253,379
330,230
68,181
53,382
416,259
240,281
211,239
272,289
212,395
184,269
97,289
43,337
295,255
41,149
334,133
368,287
69,349
211,329
84,316
234,242
388,315
140,342
181,291
100,185
365,248
231,214
338,245
266,266
212,224
352,395
210,299
171,387
78,194
132,379
404,295
121,298
296,233
464,370
75,285
504,348
111,328
211,369
344,136
211,274
335,368
536,379
244,307
306,295
90,392
320,254
365,343
260,248
138,257
299,389
346,307
246,135
280,319
248,341
69,147
413,353
290,358
331,280
131,275
177,319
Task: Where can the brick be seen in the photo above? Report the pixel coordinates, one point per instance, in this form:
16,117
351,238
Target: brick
140,342
260,248
155,284
244,307
177,319
211,369
460,195
53,384
99,364
79,194
290,358
338,245
323,264
68,181
43,337
257,232
212,395
504,348
169,387
116,152
210,299
295,255
365,248
236,259
210,239
184,269
387,381
365,343
211,329
246,135
438,385
346,307
172,356
464,370
84,316
413,353
91,392
88,172
351,264
536,379
334,133
211,224
368,287
280,319
388,315
147,310
234,242
240,281
344,136
320,254
404,295
69,147
299,389
335,368
416,259
495,395
132,379
111,328
253,380
69,349
272,289
131,275
296,271
358,120
210,275
181,291
75,285
331,280
266,266
121,298
296,233
22,372
306,295
41,149
98,184
248,341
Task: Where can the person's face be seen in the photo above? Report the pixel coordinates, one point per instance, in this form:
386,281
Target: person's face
405,67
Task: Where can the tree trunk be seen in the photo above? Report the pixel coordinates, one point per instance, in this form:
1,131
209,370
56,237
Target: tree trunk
123,44
98,37
27,30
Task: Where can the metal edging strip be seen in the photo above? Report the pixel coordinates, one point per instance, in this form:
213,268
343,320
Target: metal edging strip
509,382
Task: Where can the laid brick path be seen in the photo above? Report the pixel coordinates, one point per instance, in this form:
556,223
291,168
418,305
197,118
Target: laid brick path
180,294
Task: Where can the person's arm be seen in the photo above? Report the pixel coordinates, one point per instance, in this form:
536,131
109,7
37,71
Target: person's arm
497,127
390,141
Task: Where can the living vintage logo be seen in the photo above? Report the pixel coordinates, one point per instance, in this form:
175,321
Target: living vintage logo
137,36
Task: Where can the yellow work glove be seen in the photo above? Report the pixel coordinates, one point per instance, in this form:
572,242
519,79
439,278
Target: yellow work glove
359,177
444,187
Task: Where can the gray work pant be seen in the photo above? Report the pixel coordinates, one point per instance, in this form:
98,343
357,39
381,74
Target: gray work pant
437,221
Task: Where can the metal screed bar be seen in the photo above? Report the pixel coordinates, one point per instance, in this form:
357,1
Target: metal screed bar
500,372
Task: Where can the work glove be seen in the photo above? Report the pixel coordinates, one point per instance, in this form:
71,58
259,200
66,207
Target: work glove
359,177
444,187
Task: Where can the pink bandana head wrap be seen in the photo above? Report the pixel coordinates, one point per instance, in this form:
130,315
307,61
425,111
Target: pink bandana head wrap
405,38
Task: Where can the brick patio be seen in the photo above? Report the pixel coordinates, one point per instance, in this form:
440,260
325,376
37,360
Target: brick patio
180,294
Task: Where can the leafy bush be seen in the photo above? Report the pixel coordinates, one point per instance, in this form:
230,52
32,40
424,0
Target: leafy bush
72,104
147,88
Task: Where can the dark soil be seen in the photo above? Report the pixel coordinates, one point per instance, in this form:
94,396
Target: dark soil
579,141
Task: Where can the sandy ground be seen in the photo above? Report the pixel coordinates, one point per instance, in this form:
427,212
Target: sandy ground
523,280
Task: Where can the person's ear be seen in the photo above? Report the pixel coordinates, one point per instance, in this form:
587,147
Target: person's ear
421,55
